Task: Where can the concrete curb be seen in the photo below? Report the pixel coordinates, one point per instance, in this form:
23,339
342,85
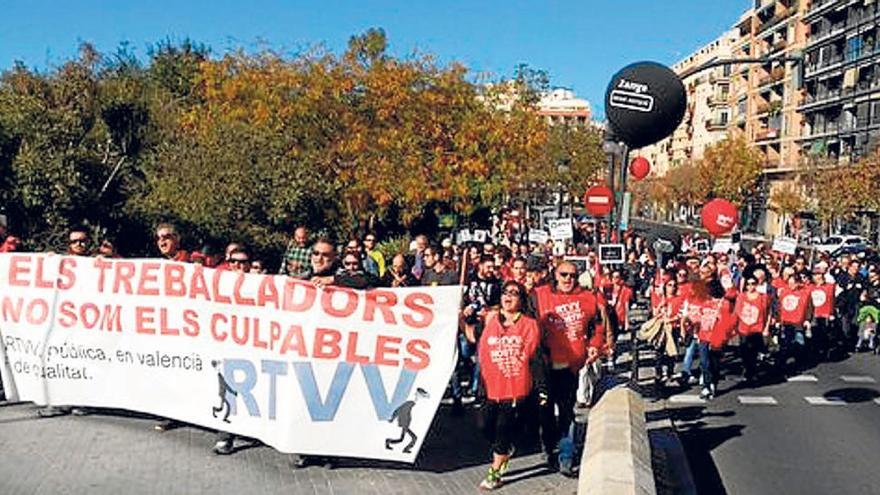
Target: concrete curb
617,457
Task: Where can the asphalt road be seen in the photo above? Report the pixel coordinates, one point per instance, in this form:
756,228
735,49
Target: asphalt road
816,436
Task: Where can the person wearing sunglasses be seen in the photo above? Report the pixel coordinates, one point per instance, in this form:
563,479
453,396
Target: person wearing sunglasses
570,319
239,261
352,273
511,367
753,325
168,243
78,242
668,308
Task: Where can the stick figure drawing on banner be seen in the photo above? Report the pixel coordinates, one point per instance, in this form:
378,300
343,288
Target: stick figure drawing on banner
403,415
223,389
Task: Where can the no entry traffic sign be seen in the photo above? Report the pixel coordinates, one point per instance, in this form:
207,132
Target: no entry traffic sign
599,201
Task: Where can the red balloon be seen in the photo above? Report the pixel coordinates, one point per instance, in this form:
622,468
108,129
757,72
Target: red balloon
640,167
599,201
719,216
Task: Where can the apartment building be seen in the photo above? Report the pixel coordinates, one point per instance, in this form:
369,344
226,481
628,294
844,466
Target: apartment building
708,114
562,106
841,109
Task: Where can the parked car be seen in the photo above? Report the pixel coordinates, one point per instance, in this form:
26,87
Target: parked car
835,242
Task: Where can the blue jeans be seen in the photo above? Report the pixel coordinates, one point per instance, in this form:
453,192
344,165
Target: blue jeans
791,345
689,353
708,365
467,353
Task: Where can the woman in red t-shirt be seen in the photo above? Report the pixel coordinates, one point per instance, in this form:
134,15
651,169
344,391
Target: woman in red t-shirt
822,297
510,365
795,314
753,324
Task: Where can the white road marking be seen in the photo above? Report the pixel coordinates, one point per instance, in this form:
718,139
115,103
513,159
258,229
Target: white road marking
687,399
877,401
804,378
825,401
858,379
757,400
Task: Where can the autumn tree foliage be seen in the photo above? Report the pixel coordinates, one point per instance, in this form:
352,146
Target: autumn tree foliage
729,169
244,145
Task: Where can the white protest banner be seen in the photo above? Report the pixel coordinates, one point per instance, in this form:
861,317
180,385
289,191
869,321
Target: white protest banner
481,236
785,245
330,371
538,236
463,236
724,245
560,230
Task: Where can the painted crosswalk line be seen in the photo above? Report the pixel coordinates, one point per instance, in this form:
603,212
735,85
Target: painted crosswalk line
858,379
757,400
825,401
687,399
804,378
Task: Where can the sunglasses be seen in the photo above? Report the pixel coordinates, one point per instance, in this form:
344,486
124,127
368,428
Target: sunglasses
78,241
567,274
322,254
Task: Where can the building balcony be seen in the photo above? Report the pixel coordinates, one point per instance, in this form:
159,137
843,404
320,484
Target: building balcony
826,96
835,29
716,77
776,19
716,124
823,131
718,100
779,45
818,7
812,69
767,134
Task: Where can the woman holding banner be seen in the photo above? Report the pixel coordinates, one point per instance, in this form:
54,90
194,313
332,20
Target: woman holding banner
510,366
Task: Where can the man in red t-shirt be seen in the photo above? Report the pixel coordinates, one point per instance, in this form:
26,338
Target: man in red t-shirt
168,242
566,313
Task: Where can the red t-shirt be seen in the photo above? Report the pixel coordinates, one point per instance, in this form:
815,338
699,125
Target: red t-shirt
563,319
822,297
504,354
751,314
672,310
793,305
713,319
619,297
684,290
778,283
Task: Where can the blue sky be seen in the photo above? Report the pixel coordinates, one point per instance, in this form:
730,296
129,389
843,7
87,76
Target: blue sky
580,43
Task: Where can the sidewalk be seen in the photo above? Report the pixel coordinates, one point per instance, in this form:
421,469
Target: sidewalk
112,454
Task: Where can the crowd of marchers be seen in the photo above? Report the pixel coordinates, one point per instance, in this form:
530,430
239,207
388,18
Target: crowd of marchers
537,322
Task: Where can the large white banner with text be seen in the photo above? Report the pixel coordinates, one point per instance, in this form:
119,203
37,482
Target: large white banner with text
309,370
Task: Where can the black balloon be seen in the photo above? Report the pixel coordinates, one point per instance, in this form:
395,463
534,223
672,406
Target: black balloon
644,103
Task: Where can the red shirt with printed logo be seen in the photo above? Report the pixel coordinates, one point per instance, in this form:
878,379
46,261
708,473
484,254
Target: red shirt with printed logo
504,354
564,320
822,297
793,304
751,314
